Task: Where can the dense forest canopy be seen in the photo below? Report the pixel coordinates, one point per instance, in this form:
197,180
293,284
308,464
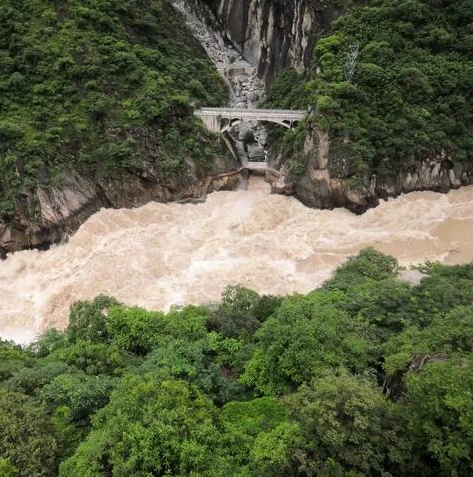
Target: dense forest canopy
366,376
411,92
82,80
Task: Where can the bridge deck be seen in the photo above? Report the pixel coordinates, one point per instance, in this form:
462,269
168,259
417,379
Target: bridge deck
221,119
282,114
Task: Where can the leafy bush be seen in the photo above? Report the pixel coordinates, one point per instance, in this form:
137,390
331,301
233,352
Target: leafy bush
365,376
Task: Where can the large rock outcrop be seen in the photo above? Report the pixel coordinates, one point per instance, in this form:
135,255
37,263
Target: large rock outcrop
274,34
325,177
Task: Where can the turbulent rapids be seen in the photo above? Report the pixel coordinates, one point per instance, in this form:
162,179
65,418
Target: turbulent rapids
164,254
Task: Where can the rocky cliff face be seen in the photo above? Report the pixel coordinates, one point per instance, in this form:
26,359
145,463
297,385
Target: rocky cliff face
327,180
274,34
60,210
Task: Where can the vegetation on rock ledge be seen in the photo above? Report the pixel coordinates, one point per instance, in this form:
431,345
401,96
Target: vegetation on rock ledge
410,97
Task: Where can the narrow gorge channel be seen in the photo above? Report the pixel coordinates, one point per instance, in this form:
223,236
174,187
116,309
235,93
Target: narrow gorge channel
245,88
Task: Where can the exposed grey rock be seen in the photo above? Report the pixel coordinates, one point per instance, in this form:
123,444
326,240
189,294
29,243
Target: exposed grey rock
413,277
328,180
255,152
62,209
274,34
240,75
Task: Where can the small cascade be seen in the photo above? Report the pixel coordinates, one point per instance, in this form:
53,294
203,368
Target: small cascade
244,86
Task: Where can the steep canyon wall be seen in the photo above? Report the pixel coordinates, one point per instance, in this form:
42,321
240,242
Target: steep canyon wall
271,35
328,176
274,34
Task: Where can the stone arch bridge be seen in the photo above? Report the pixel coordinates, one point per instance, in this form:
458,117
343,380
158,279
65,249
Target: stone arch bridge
221,119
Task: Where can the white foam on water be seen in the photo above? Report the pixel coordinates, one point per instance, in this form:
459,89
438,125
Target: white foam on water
164,254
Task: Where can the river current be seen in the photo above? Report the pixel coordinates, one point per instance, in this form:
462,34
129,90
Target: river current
164,254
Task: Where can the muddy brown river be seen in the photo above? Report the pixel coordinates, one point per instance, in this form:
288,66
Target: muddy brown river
164,254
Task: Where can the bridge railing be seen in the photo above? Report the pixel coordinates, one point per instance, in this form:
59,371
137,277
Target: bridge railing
214,117
249,112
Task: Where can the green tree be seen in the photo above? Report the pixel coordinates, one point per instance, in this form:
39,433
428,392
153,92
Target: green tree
369,264
87,320
48,342
244,424
6,469
134,329
441,415
71,400
307,337
444,336
153,426
12,358
95,358
31,380
381,303
195,362
348,428
27,438
138,331
83,395
235,317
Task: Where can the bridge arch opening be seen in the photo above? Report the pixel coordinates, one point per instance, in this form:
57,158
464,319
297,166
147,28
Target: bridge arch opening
235,121
228,124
